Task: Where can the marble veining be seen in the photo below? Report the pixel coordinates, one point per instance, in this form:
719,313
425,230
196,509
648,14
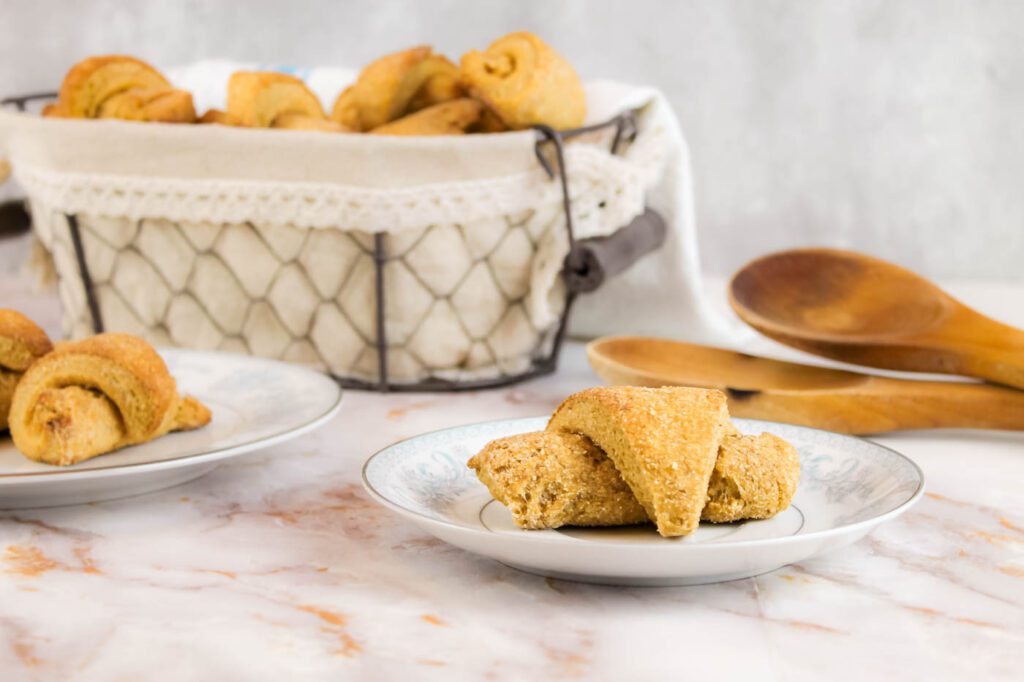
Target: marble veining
279,566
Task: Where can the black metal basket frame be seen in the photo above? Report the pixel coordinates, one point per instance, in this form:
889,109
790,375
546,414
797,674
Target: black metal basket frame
588,263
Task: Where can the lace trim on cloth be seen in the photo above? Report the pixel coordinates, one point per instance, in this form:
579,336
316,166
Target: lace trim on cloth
620,181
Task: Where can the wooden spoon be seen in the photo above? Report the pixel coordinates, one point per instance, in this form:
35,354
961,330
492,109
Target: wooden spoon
821,397
867,311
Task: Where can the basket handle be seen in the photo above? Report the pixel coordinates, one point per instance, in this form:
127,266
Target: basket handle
14,219
593,261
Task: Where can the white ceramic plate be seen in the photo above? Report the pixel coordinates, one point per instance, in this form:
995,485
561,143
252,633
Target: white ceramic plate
847,487
255,402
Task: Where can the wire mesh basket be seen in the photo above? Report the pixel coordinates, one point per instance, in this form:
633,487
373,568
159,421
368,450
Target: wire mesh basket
376,310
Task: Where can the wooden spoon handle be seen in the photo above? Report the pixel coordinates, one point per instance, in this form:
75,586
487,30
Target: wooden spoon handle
881,404
982,347
837,400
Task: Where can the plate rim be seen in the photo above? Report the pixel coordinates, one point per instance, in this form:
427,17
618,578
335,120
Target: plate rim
70,473
818,535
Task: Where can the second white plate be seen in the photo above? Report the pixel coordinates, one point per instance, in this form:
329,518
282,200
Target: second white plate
255,402
847,487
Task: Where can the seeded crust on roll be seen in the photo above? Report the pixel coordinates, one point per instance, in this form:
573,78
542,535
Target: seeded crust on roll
22,342
90,397
663,441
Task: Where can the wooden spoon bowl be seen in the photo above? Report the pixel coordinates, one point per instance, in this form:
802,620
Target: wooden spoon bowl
866,311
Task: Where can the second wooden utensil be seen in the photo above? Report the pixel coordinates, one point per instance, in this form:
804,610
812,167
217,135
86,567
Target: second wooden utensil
821,397
866,311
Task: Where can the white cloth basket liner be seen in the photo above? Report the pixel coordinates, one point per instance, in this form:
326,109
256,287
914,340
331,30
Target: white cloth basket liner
263,241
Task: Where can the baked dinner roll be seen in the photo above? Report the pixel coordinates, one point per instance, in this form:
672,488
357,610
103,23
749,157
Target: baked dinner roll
755,477
90,397
525,82
267,99
92,83
663,441
448,118
396,85
550,479
22,342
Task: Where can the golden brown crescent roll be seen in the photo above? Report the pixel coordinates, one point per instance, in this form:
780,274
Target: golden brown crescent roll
267,99
525,82
90,397
396,85
22,342
447,118
549,479
92,83
663,441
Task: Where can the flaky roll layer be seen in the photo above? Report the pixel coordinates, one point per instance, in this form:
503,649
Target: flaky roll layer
525,82
447,118
22,342
396,85
90,397
663,441
118,86
267,99
152,105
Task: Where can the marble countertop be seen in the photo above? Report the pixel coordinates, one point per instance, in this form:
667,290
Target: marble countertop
279,567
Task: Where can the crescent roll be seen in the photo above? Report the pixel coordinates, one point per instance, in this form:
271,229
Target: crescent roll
22,342
118,86
663,441
90,397
396,85
525,82
267,99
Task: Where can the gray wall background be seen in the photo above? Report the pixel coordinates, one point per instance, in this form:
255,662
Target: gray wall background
891,126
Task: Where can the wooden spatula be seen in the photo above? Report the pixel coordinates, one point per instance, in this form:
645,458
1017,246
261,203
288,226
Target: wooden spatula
866,311
821,397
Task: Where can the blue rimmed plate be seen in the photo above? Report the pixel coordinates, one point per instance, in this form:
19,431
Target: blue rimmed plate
847,487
